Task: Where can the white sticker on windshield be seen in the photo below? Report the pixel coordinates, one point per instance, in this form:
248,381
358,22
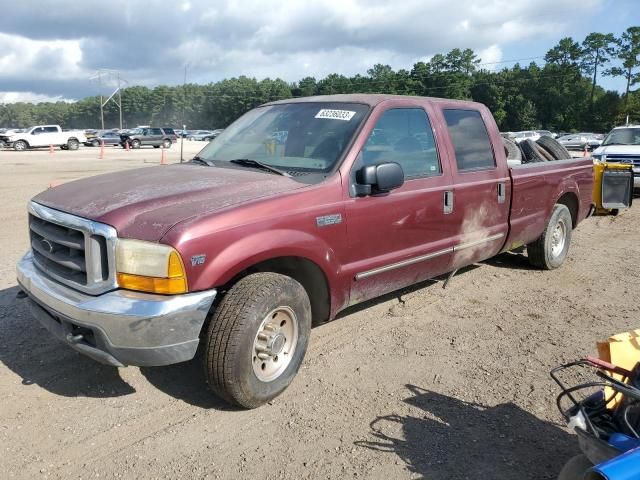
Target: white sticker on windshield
345,115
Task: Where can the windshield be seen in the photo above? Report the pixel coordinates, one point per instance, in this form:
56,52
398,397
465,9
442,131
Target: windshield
623,136
299,138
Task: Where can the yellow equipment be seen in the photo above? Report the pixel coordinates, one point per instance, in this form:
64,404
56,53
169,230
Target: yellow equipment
612,187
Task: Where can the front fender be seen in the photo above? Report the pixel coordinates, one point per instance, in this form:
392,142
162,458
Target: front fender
266,245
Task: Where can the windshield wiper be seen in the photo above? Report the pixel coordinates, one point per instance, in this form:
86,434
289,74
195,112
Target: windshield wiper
247,162
201,160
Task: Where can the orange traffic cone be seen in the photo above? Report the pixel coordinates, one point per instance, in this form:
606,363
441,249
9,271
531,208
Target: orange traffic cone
126,146
586,152
101,150
51,149
163,157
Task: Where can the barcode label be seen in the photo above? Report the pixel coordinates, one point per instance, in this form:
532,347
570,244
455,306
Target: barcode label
345,115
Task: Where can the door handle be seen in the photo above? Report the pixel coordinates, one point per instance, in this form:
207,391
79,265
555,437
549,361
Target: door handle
502,192
448,202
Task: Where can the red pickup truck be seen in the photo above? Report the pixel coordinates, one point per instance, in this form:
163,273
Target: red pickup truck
298,210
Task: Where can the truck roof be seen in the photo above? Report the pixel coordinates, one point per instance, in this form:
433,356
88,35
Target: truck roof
371,99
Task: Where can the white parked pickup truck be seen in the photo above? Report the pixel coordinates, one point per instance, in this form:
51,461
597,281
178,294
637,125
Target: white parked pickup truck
44,136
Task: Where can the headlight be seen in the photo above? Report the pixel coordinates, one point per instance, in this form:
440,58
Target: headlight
149,267
597,157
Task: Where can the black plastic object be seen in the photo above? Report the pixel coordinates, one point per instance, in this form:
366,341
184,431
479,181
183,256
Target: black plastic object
380,178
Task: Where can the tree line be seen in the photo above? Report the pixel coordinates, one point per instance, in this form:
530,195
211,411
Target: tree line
562,94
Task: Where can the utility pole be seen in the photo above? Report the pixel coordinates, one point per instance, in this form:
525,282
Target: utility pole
111,77
184,101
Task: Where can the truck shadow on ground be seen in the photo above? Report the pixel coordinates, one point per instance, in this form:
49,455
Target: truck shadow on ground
28,350
446,439
511,260
186,382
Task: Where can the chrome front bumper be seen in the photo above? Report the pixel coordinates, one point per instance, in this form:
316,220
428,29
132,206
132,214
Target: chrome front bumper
120,327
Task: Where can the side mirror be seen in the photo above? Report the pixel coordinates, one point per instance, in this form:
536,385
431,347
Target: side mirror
380,178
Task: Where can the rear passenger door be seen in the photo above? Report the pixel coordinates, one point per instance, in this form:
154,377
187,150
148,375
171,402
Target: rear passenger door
481,186
155,136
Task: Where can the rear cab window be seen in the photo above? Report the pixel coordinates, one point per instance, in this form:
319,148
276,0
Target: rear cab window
470,139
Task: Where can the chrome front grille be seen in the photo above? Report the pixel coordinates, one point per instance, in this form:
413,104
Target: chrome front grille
632,159
73,250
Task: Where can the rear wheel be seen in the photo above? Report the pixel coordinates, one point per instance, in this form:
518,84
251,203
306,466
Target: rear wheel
20,145
95,143
257,339
550,249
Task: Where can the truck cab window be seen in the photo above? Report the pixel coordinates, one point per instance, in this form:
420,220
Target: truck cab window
470,140
404,136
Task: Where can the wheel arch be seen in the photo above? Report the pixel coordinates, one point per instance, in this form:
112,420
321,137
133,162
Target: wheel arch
570,200
305,271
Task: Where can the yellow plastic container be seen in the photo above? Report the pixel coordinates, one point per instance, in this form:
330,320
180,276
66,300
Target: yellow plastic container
622,350
612,187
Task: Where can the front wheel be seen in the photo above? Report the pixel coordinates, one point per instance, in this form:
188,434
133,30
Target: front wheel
257,339
73,144
20,145
135,144
166,143
550,249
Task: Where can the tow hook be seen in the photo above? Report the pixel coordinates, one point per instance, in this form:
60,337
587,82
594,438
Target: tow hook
21,294
71,338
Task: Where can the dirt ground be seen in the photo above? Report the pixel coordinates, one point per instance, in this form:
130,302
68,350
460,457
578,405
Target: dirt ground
427,383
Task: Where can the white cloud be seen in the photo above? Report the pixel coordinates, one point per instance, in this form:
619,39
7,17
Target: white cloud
30,97
54,52
490,57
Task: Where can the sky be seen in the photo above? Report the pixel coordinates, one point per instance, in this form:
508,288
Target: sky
50,50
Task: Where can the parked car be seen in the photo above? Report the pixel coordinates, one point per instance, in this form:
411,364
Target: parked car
545,133
580,141
44,136
283,236
108,138
153,136
198,135
622,145
213,134
526,135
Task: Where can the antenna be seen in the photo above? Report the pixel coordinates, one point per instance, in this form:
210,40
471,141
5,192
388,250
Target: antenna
110,78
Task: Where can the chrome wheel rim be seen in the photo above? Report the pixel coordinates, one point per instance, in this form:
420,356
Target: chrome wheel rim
274,344
558,238
19,146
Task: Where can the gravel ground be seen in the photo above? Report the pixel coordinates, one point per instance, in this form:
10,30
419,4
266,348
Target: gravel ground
425,383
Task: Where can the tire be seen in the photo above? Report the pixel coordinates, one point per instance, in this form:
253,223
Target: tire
550,250
529,152
555,148
73,144
166,143
20,146
512,150
95,143
135,144
544,154
239,365
575,468
156,146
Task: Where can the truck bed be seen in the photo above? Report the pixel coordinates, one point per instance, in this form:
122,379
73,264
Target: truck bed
536,186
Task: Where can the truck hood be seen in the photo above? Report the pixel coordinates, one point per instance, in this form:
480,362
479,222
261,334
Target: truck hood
618,150
145,203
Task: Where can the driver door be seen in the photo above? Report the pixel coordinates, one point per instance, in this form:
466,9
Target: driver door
404,236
